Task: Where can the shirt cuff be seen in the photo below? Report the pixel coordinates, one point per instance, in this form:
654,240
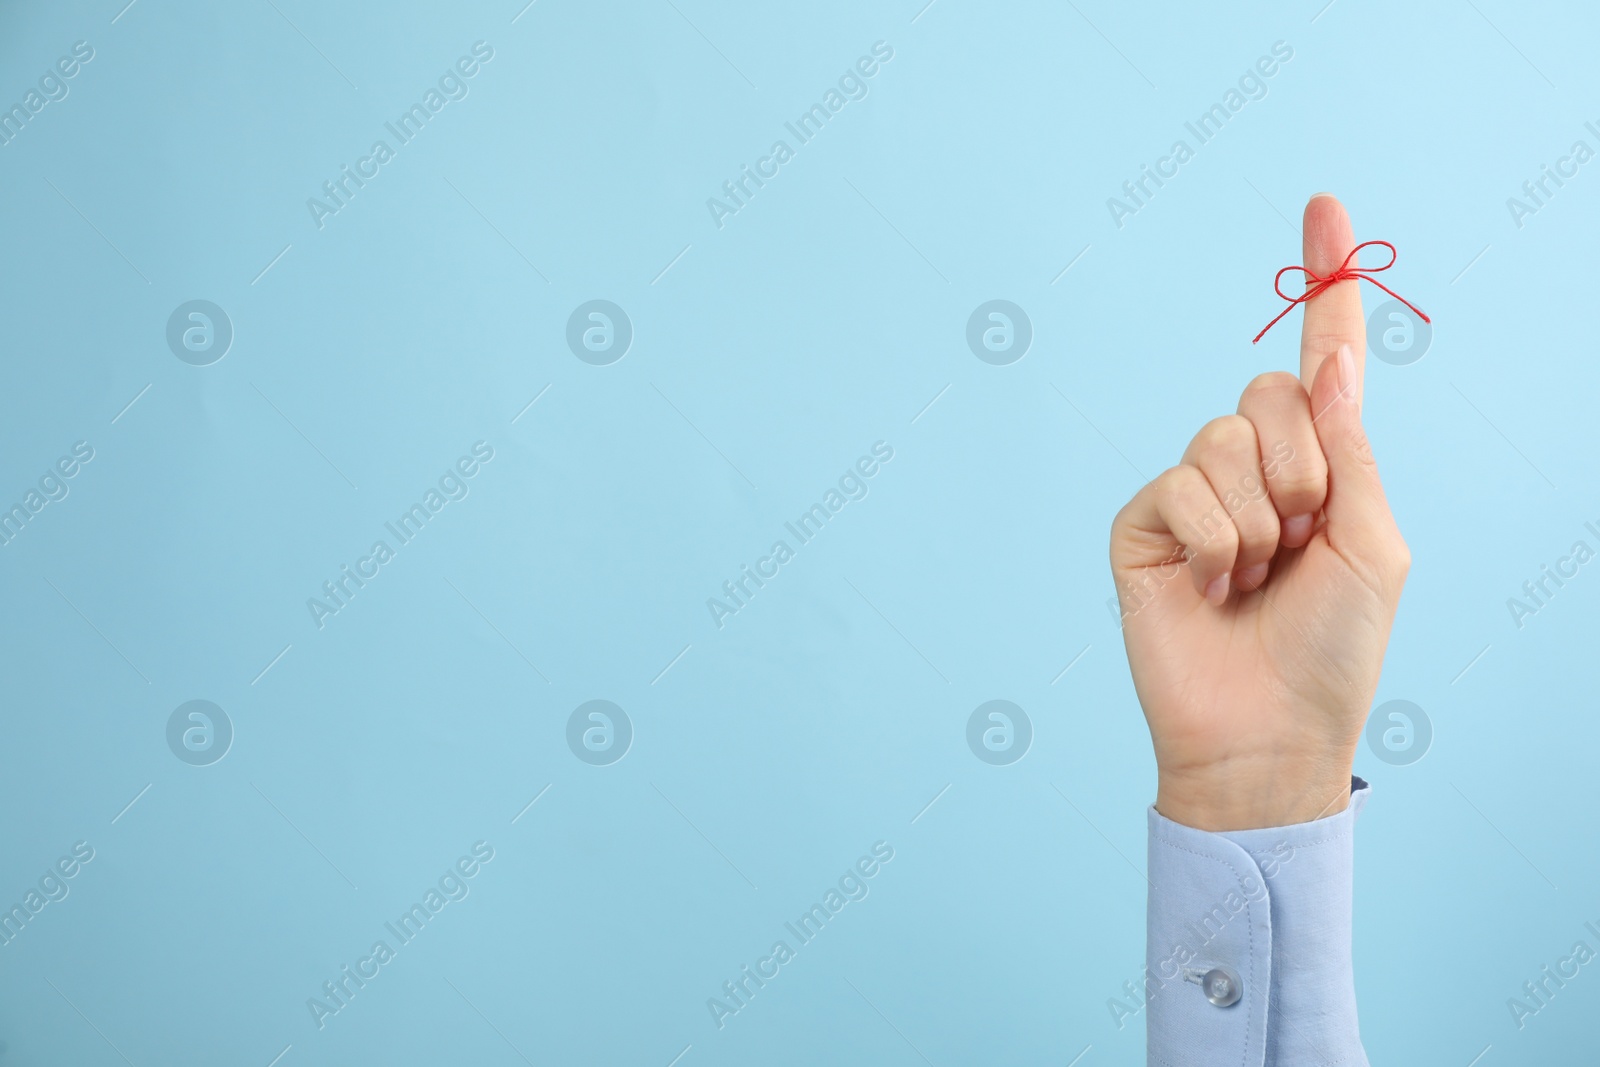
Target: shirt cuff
1247,957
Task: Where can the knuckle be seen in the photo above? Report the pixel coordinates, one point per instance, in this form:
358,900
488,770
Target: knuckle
1225,433
1170,481
1272,384
1304,478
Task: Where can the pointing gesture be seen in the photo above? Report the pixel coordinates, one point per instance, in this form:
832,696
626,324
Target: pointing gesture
1334,317
1259,579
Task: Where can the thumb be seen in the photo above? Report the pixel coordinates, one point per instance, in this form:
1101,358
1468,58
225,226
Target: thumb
1360,525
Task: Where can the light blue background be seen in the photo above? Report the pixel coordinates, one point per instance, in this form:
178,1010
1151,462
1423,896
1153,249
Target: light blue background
771,354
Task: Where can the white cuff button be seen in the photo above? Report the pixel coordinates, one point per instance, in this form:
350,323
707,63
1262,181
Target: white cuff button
1222,986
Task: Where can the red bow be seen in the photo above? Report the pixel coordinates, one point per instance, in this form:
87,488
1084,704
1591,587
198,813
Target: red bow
1346,272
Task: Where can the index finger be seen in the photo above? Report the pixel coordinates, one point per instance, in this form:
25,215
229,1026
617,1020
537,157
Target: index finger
1334,317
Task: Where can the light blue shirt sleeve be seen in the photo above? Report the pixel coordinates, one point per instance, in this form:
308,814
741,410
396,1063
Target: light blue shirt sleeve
1247,957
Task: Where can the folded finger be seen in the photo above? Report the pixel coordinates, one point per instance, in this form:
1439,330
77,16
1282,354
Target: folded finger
1292,460
1227,452
1171,516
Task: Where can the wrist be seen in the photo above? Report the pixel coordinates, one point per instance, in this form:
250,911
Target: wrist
1234,797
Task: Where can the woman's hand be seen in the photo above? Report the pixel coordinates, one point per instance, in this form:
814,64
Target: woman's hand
1259,580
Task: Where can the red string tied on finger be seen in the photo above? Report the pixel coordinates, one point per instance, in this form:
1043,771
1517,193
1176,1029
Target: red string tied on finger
1316,284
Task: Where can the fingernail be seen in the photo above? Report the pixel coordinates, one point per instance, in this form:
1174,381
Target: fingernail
1297,531
1251,577
1315,196
1347,368
1217,590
